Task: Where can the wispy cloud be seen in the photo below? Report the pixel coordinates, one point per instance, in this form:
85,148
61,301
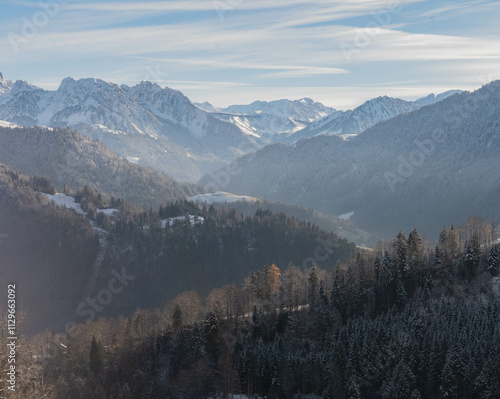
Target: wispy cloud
297,42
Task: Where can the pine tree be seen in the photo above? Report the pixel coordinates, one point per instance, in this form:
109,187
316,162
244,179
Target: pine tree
449,382
402,253
470,261
313,285
400,294
415,249
436,260
376,267
452,242
403,381
494,258
96,356
177,317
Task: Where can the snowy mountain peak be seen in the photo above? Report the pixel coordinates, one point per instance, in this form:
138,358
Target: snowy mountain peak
22,85
134,121
432,98
305,109
87,85
306,100
206,106
352,122
5,85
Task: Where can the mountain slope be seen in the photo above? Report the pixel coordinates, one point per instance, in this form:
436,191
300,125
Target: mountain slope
423,169
5,86
67,157
432,98
355,121
48,251
156,127
270,121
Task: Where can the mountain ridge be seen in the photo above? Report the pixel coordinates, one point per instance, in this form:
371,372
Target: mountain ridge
127,119
395,172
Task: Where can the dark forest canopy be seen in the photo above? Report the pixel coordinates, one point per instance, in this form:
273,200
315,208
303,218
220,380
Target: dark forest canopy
75,256
409,319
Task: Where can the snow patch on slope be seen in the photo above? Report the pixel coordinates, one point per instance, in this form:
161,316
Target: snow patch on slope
193,219
346,216
68,202
7,124
221,197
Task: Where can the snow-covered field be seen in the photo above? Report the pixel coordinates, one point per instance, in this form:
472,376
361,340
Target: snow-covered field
221,197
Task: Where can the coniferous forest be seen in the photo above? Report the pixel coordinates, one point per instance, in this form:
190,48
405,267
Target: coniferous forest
409,319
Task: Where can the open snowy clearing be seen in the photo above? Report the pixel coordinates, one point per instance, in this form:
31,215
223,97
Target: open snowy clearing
221,197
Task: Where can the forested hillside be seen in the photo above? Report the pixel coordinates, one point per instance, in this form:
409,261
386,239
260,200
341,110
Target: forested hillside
408,320
433,166
69,158
73,254
183,247
47,250
340,226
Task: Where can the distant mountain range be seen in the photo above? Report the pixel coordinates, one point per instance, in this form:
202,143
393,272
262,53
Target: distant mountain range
353,122
434,165
286,121
145,123
161,128
271,121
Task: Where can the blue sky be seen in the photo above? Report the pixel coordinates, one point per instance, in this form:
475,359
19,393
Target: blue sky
236,51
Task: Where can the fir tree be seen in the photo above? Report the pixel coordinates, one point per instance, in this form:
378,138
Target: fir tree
96,356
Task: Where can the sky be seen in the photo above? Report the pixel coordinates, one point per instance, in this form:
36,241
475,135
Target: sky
340,53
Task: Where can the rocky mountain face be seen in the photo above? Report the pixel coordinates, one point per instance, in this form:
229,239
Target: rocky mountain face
352,122
271,121
153,126
5,85
433,166
160,127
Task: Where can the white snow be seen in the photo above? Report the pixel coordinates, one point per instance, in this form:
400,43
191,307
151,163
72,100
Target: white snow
66,201
7,124
111,212
133,159
221,197
346,216
193,219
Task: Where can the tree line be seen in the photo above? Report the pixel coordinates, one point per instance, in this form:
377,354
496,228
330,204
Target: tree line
409,319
